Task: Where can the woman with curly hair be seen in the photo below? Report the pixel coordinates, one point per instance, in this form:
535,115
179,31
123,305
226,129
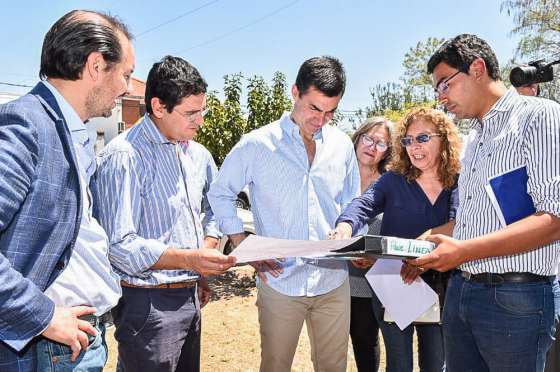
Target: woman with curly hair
415,196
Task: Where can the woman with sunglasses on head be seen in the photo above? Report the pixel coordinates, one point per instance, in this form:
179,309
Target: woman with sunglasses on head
372,145
414,196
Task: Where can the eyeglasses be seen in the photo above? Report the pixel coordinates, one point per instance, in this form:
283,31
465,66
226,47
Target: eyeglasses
191,115
380,145
443,86
421,138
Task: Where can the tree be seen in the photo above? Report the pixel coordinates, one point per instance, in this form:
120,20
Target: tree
226,122
394,100
266,104
389,100
417,83
224,125
538,24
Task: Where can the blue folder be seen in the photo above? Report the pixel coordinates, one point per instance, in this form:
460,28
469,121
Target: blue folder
508,193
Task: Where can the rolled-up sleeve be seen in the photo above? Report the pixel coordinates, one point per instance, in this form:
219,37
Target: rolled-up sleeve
234,174
119,198
542,151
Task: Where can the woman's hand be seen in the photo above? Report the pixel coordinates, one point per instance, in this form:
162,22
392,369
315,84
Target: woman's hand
410,273
363,263
342,231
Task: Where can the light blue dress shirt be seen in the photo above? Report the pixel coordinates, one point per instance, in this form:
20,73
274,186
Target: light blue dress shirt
151,194
289,198
88,278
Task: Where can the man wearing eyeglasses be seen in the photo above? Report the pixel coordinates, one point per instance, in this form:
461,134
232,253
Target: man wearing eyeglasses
151,188
500,306
301,173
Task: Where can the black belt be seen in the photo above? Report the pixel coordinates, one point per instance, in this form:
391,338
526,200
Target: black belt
95,320
490,278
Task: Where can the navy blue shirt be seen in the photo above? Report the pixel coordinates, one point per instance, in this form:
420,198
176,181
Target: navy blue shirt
407,210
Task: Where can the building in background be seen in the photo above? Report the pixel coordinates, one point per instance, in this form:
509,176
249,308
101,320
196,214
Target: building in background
126,113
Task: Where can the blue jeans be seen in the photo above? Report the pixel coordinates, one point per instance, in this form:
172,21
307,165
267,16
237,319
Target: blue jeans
55,357
398,344
498,328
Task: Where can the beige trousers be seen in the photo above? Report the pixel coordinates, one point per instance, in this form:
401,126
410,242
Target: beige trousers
328,324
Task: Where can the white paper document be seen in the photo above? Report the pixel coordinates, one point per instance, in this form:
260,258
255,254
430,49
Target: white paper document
404,302
258,248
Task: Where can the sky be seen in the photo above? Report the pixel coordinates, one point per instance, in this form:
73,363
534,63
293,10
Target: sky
222,37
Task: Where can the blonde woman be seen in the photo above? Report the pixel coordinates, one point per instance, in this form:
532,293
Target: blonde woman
372,143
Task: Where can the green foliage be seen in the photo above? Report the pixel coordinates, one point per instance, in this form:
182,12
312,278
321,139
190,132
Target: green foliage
394,100
417,82
538,24
226,121
266,104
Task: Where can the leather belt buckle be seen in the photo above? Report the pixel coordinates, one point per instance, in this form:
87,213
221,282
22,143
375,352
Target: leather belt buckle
95,320
466,275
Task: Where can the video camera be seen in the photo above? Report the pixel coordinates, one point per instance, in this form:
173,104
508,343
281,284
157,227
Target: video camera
536,72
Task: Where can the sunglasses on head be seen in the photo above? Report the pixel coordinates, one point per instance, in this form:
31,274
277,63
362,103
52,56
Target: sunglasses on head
421,138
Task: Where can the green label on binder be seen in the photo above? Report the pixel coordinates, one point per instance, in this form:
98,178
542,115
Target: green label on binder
408,247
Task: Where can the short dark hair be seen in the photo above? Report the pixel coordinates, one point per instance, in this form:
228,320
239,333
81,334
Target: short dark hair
170,80
74,37
325,73
461,51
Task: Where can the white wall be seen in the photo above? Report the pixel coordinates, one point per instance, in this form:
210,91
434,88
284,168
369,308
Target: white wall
7,97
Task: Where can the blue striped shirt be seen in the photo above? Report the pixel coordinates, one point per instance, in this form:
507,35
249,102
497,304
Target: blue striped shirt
290,199
517,131
151,193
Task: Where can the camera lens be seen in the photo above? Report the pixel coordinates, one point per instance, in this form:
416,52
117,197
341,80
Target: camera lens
523,75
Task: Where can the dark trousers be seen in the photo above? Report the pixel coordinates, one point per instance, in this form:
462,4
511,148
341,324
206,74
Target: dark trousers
158,330
364,334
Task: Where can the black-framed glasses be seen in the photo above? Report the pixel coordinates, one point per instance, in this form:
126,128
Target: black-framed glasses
421,138
380,145
443,86
191,115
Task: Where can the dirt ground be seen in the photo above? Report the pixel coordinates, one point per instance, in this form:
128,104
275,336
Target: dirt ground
230,334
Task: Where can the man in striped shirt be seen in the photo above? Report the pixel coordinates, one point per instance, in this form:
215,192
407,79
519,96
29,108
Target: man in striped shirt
500,305
151,189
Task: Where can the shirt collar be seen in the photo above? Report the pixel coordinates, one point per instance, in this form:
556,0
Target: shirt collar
73,121
292,129
152,131
503,104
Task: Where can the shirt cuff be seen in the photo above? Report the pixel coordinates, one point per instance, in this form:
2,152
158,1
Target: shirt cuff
213,232
231,225
154,252
549,206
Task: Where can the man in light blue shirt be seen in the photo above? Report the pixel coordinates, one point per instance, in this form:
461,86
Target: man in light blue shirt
151,188
300,174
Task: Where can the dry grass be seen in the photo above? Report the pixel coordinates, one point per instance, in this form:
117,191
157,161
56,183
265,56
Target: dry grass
230,333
